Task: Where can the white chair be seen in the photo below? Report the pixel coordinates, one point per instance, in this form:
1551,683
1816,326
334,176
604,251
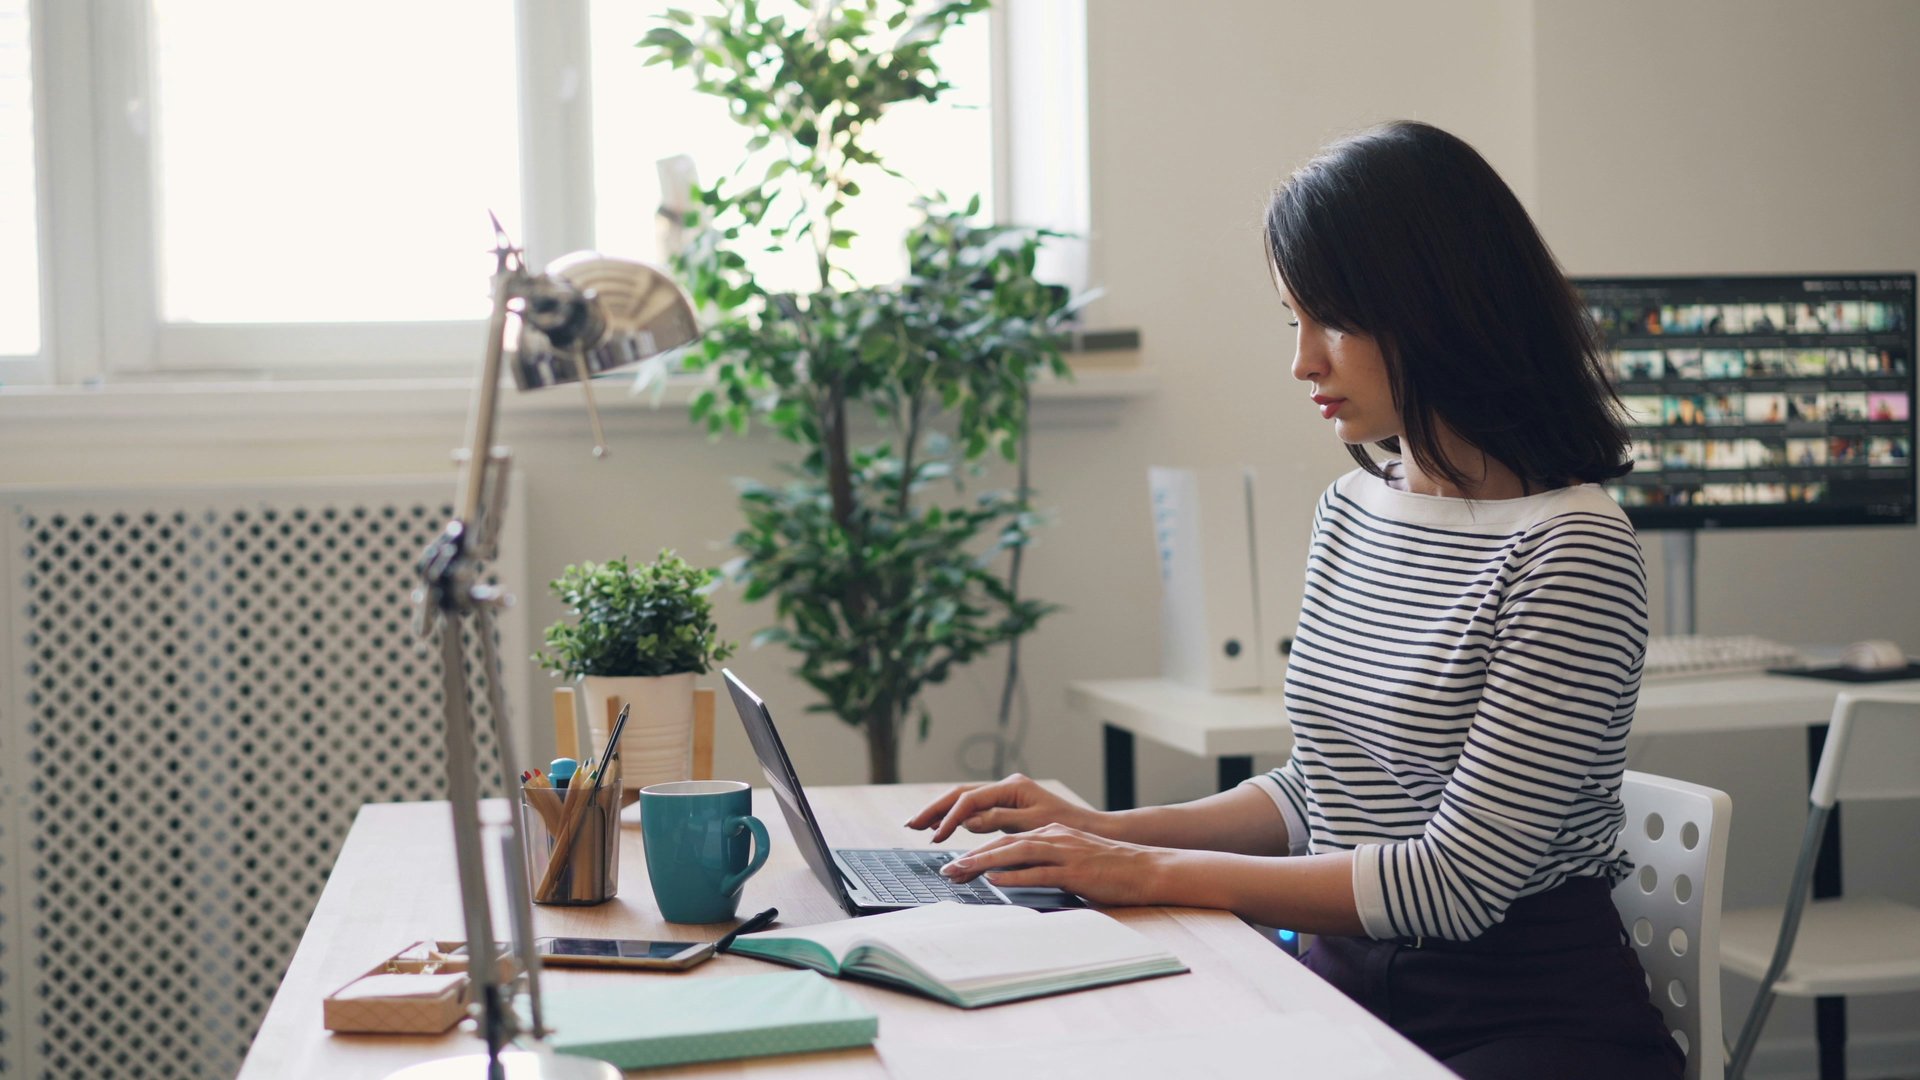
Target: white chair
1676,834
1845,945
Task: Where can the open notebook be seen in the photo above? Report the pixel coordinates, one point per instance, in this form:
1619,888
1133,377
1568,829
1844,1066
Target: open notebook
969,955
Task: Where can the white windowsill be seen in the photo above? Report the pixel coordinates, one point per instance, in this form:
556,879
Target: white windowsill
289,410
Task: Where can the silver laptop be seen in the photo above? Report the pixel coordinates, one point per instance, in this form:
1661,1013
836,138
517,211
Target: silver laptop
867,880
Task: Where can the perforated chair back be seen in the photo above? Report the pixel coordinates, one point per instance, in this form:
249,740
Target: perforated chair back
1676,834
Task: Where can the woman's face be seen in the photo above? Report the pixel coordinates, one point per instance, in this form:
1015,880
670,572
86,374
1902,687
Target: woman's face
1346,376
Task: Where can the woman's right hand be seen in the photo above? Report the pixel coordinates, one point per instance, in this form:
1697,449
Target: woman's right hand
1015,804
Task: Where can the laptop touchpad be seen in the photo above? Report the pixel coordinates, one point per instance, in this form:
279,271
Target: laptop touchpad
1042,899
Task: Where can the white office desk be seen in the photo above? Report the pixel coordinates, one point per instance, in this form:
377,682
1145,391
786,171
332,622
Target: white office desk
1743,703
1232,726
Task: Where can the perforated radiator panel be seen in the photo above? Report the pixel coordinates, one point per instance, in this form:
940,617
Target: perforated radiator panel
201,690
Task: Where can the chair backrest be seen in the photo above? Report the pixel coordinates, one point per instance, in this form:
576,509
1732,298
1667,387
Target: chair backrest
1872,749
1676,834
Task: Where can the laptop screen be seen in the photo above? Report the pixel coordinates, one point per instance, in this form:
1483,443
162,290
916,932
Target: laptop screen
786,785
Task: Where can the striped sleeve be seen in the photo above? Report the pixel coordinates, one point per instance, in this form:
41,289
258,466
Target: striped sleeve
1569,631
1289,795
1285,785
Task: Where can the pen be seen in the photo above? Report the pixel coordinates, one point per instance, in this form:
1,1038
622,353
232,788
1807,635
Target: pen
758,922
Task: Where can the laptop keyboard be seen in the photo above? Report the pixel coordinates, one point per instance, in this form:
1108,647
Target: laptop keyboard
913,877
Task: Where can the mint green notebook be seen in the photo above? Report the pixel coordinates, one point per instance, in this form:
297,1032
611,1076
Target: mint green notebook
656,1020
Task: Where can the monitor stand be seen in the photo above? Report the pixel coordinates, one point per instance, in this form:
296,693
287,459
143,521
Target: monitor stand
1678,548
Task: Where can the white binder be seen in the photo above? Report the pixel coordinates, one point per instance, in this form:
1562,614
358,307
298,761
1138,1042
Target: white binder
1279,570
1202,529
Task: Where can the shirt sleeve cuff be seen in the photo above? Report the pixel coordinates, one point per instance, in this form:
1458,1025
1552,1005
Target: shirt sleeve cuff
1369,893
1296,827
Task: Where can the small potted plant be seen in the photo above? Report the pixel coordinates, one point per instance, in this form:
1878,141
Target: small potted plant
639,632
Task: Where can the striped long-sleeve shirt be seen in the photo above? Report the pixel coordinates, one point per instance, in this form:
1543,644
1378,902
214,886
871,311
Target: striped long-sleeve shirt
1460,690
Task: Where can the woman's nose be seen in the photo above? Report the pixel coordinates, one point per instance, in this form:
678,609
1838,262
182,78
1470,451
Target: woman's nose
1307,366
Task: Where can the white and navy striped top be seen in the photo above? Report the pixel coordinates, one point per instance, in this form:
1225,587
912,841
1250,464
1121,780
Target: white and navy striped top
1460,690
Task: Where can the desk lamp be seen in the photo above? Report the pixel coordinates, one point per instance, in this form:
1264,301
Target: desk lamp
584,315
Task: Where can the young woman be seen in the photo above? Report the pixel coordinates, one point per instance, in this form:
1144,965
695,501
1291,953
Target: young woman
1468,653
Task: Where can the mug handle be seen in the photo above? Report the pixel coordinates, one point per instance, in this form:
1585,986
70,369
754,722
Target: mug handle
761,845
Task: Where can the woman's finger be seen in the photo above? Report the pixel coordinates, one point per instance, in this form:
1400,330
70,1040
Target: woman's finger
973,801
1030,877
996,819
989,847
1006,852
934,810
964,807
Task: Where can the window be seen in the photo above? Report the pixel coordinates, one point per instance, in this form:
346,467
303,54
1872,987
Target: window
293,185
645,114
19,206
304,190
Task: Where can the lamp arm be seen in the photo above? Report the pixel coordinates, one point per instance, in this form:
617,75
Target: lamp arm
513,852
486,396
463,793
450,591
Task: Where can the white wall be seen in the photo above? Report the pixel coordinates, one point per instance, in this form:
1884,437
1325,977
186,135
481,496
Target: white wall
1645,136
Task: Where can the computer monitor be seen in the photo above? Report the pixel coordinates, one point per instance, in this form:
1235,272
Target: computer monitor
1763,400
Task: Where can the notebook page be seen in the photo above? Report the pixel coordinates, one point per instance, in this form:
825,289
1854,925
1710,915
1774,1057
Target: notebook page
963,953
839,937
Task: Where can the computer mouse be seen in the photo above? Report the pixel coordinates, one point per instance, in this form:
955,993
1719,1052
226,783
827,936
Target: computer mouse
1874,656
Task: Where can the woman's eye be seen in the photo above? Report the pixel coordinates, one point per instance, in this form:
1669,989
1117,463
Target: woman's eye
1293,322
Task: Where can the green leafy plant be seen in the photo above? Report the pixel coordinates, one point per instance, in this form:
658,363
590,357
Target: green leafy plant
646,619
884,574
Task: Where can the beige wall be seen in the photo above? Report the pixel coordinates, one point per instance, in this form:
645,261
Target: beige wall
1754,137
1745,138
1193,123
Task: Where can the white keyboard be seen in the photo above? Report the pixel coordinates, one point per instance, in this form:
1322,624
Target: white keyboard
1690,656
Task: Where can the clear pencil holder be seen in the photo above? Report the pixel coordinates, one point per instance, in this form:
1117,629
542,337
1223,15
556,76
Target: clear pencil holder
573,850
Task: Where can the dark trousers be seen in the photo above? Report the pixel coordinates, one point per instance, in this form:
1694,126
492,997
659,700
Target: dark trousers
1555,990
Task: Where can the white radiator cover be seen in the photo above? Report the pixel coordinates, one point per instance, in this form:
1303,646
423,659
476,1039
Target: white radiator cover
202,686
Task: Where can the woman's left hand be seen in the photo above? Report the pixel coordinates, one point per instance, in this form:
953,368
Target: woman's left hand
1100,870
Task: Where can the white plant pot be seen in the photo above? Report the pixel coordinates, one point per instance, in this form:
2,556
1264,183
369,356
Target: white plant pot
656,746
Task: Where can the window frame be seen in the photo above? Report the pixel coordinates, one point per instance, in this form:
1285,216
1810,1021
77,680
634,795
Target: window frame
34,367
95,182
137,342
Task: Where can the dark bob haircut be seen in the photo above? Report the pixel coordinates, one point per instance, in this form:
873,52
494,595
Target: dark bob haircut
1405,234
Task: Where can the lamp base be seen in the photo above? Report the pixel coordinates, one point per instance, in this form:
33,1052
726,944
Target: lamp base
515,1065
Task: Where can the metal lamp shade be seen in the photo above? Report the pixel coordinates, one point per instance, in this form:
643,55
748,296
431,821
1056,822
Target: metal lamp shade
632,311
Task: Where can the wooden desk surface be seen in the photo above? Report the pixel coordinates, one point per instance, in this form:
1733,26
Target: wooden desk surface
1245,1007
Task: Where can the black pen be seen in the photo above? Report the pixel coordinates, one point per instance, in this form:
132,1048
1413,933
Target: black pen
758,922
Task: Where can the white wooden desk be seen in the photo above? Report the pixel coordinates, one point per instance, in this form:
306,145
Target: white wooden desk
1246,1008
1229,726
1232,726
1743,703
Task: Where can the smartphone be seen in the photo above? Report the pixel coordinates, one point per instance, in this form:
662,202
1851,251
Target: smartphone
622,953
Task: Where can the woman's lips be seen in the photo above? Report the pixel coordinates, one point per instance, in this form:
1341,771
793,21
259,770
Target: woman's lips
1328,405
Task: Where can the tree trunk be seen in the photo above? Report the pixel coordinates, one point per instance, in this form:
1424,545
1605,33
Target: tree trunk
883,745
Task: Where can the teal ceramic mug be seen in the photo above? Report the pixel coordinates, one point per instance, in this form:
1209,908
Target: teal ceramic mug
703,843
